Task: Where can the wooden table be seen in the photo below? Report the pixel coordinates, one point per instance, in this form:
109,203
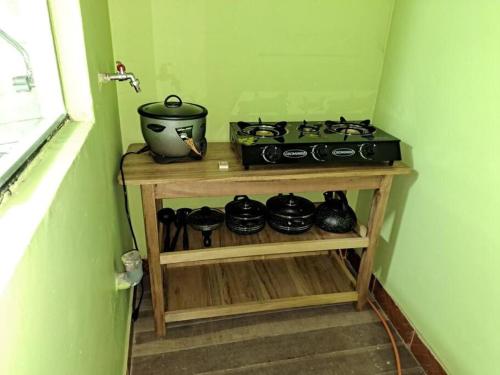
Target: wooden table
261,272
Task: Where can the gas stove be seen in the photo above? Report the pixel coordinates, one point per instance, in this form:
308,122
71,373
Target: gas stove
313,142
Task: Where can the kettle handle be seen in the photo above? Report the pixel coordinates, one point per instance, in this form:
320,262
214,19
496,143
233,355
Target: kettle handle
343,198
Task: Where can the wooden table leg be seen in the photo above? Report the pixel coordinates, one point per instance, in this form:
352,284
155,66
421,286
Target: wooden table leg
379,203
150,205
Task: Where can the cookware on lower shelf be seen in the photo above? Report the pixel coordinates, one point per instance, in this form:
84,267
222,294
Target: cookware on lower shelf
181,223
206,220
290,214
166,216
245,215
335,215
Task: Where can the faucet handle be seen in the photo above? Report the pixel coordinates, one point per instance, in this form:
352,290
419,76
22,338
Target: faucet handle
120,68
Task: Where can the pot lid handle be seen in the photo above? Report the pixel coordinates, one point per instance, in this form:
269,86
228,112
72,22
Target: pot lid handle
171,104
240,197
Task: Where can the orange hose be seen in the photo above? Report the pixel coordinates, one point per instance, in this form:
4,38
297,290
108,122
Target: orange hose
391,337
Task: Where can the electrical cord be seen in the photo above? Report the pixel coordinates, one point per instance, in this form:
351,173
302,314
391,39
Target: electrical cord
125,193
391,336
135,312
378,313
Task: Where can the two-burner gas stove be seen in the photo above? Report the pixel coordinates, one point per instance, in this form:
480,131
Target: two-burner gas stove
313,142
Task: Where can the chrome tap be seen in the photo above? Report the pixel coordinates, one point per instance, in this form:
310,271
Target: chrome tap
26,82
121,75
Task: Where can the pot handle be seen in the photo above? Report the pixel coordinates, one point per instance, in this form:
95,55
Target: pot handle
155,127
207,240
171,104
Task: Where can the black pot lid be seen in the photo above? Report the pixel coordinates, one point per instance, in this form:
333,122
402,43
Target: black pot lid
290,206
172,108
243,207
205,218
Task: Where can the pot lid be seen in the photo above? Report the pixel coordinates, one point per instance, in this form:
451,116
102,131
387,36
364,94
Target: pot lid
243,207
205,218
172,108
335,201
290,206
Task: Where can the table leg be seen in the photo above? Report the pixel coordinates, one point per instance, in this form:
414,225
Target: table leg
379,203
150,205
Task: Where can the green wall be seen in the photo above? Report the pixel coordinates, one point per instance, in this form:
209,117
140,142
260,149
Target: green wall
60,313
244,59
290,59
439,259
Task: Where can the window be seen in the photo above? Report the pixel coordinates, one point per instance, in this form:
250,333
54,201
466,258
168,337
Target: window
31,104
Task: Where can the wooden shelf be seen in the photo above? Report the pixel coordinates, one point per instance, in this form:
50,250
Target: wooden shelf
268,242
222,289
206,277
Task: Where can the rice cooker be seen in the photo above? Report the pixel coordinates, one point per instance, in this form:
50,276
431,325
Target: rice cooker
174,130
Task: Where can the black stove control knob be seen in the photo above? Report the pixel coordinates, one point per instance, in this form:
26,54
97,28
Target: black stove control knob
320,152
367,150
272,154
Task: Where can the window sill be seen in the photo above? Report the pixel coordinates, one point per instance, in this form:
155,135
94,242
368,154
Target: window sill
21,139
29,199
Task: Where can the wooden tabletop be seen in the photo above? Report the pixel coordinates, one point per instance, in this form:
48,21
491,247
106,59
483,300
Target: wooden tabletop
142,170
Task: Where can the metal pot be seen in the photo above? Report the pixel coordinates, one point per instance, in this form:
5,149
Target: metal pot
174,129
245,216
335,215
290,214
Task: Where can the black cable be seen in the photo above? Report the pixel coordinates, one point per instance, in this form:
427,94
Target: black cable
135,312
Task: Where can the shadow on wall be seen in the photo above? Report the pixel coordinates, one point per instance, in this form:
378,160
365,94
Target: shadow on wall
393,215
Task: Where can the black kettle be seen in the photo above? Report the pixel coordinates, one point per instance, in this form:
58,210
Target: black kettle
335,215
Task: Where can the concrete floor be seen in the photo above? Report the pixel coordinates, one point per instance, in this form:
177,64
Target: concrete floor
322,340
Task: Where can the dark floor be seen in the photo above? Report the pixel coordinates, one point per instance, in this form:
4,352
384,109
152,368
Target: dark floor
322,340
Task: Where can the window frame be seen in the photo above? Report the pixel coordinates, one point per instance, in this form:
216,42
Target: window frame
13,162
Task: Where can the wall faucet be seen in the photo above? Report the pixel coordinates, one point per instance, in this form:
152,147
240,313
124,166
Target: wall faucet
26,82
121,75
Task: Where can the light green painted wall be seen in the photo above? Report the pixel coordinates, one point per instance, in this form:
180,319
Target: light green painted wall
290,59
60,313
440,253
280,59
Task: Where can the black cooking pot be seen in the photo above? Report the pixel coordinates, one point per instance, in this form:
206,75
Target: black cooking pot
206,220
245,215
335,215
290,214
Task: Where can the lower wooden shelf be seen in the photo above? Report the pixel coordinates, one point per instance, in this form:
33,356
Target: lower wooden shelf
227,245
211,290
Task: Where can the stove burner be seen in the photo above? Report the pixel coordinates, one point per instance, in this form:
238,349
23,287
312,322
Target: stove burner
263,130
308,129
348,128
